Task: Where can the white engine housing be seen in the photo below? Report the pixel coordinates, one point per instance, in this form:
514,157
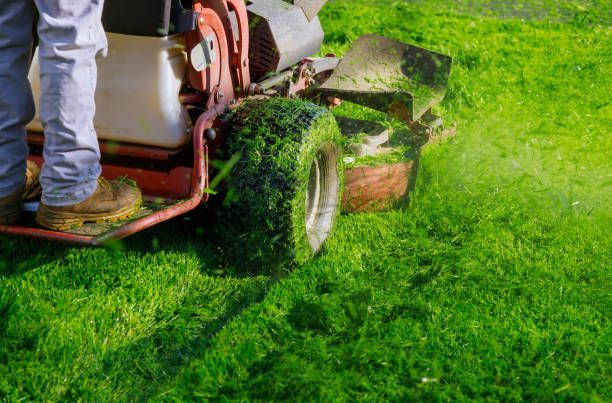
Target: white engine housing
137,97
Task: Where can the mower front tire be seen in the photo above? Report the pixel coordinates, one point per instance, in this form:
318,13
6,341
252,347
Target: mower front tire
285,191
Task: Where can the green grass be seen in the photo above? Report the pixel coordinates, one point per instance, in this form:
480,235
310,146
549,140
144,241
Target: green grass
494,284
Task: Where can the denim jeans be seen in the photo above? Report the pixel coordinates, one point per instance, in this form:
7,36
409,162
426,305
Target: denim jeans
70,37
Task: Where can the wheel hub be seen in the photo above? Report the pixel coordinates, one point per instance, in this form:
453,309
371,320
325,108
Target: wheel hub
322,198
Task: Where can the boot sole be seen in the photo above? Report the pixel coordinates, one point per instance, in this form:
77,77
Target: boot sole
63,221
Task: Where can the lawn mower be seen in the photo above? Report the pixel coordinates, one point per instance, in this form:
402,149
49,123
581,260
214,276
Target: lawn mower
188,83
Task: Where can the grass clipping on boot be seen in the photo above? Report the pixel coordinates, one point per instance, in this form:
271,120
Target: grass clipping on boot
263,224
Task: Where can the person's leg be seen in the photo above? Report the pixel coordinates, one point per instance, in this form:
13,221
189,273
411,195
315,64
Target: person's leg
70,36
16,103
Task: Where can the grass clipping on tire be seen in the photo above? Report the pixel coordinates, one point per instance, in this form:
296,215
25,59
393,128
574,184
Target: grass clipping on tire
278,139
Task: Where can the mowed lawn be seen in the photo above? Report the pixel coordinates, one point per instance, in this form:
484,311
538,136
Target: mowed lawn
494,284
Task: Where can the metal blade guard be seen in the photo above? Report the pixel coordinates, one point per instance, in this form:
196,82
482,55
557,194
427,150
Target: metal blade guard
402,80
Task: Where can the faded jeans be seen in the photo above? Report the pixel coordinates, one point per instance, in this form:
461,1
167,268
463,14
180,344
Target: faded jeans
70,36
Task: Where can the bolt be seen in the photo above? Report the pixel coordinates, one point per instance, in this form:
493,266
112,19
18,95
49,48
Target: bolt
233,101
210,134
201,20
220,95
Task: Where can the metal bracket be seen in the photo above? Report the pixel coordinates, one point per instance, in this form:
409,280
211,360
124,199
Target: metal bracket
371,145
203,55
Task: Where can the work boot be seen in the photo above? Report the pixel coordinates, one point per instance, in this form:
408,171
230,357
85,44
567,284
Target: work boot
32,189
10,206
112,201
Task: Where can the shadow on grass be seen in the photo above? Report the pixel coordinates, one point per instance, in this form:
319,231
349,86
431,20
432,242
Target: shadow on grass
191,234
166,357
182,333
196,233
19,255
170,351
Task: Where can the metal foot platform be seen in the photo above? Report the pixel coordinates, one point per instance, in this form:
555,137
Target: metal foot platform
92,234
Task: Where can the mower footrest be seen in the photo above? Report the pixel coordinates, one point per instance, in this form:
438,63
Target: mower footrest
97,234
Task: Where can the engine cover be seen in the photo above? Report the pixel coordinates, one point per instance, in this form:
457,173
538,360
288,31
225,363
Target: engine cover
281,36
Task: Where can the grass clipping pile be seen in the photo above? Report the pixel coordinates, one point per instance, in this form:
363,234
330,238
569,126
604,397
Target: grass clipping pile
263,221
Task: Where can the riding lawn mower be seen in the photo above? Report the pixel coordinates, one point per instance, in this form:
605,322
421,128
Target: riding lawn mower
189,83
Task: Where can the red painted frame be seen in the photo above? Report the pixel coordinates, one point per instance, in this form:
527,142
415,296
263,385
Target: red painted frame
160,173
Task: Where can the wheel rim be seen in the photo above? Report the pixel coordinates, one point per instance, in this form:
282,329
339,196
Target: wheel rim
322,197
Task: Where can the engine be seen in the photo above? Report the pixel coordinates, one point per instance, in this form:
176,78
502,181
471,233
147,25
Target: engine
282,34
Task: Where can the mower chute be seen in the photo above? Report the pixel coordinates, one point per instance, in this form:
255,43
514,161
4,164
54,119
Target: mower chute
402,80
